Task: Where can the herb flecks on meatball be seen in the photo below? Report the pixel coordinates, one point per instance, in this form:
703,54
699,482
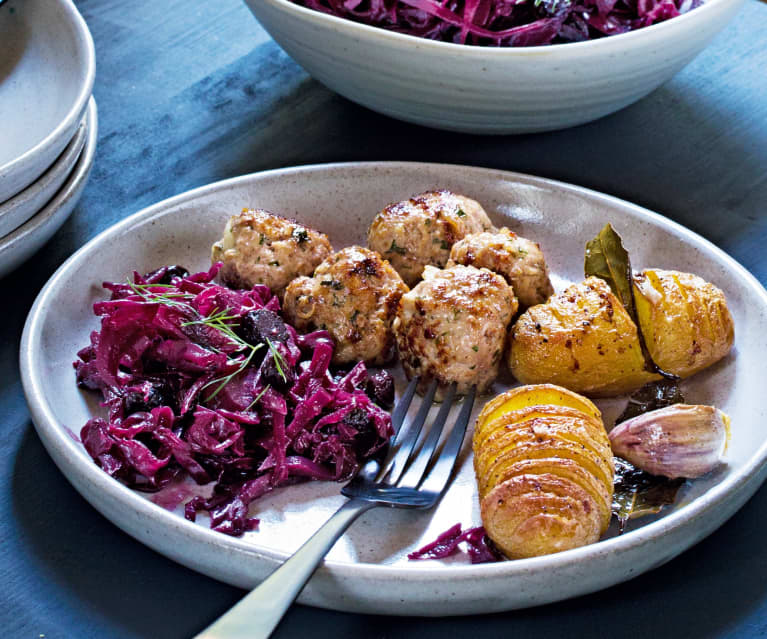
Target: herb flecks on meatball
260,247
354,295
519,260
452,326
421,231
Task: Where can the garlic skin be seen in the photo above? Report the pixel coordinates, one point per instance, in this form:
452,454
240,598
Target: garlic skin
681,440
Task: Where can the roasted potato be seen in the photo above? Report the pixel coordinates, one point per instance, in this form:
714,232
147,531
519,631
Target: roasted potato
544,471
585,340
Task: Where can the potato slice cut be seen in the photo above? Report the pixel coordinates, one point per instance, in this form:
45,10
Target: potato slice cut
544,470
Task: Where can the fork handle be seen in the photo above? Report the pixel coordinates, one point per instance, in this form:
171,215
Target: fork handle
258,613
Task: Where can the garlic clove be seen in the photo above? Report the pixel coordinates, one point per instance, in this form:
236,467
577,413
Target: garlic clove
681,440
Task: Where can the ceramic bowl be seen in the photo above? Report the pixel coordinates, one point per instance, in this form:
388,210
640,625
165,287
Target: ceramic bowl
19,245
368,570
47,68
22,206
486,89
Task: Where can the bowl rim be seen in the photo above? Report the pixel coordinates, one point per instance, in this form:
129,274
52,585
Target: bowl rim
75,179
83,41
48,427
393,38
36,196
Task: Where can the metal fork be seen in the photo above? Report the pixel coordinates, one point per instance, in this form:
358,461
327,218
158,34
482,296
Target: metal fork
406,479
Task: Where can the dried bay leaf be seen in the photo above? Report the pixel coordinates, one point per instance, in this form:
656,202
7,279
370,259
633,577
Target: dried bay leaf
638,493
607,259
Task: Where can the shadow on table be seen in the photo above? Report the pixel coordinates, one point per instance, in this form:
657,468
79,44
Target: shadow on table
92,567
106,574
684,139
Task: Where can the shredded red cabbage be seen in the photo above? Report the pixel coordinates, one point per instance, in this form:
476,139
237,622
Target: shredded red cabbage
478,546
508,23
204,381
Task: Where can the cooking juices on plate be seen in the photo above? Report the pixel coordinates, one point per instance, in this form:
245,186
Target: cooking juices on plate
223,383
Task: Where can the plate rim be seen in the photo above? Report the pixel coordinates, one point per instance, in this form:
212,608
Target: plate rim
83,41
46,424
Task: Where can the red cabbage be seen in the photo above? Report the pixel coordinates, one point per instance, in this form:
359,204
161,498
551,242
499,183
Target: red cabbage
204,381
478,546
509,23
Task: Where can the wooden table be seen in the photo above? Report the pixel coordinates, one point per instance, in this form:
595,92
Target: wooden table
190,92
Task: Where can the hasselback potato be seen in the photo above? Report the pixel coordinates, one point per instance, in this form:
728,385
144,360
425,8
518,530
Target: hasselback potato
585,340
544,471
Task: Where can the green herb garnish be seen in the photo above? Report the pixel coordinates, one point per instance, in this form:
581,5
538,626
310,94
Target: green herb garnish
258,397
220,320
609,261
223,381
279,360
396,249
300,235
146,292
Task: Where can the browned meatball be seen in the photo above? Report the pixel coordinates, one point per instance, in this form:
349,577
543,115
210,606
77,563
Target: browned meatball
354,295
519,260
422,230
260,247
452,326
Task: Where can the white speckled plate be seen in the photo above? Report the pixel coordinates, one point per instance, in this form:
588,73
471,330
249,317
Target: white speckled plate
367,570
47,67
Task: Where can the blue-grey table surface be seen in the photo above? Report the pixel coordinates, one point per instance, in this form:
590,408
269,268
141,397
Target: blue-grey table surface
193,91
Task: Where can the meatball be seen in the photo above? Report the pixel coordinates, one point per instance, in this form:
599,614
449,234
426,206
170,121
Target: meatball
452,326
260,247
354,295
421,230
519,260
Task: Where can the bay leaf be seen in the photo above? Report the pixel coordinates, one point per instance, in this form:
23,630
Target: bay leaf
652,396
607,259
638,493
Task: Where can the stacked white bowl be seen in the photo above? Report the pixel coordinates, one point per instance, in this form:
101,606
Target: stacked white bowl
49,121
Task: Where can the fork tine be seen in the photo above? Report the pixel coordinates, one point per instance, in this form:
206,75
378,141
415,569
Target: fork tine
400,410
406,438
439,475
417,466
